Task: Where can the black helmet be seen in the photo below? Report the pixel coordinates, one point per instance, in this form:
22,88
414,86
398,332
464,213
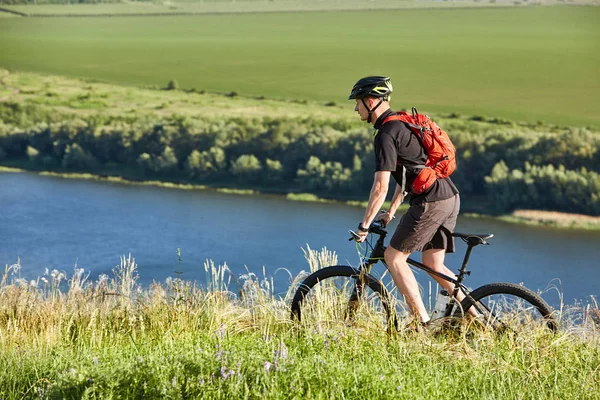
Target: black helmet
372,86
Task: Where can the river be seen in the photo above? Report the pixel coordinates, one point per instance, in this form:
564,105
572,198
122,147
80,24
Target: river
55,223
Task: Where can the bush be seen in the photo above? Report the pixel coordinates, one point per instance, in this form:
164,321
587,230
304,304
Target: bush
246,168
172,85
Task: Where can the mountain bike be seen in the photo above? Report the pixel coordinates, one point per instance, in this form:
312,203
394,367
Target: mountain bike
500,306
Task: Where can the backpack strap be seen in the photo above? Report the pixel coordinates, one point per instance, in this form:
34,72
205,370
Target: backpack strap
408,120
404,118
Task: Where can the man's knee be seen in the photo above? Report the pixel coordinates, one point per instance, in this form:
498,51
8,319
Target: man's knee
393,256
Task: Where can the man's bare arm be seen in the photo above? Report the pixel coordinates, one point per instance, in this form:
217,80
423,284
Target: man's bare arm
379,191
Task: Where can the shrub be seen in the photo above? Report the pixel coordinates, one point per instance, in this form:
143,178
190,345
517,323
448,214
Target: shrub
172,85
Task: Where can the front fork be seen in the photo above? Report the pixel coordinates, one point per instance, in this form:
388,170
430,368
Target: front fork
358,290
366,265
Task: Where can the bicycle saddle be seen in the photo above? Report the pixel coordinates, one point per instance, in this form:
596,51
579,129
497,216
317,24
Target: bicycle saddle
473,239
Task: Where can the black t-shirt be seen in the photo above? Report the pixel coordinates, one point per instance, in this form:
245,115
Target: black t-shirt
396,146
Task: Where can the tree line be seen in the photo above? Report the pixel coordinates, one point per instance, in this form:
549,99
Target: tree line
509,166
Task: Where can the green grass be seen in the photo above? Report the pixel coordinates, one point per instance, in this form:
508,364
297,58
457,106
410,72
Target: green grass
8,15
536,63
112,339
66,98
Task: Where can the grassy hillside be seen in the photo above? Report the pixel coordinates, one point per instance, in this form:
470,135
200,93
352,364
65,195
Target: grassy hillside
514,63
65,97
113,339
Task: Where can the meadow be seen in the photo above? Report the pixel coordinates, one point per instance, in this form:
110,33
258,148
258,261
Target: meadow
523,63
62,336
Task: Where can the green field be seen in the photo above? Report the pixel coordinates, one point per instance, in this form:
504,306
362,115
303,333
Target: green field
535,63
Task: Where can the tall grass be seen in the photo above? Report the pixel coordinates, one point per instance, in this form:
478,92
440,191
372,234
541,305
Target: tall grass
65,336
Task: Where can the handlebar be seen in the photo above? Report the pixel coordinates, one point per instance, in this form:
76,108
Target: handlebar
376,227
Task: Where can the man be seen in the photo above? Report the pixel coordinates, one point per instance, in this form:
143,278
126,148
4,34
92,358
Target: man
428,224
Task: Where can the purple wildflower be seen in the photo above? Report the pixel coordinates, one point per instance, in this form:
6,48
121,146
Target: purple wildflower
281,352
268,366
225,373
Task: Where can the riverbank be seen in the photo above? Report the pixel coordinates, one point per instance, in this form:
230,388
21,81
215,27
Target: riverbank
311,150
527,217
111,339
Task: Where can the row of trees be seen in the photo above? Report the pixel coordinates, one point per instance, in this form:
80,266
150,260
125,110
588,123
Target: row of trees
513,166
545,188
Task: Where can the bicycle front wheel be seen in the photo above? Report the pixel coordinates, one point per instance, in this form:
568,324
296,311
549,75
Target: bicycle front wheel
342,293
508,307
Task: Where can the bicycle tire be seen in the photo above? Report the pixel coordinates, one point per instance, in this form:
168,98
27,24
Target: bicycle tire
342,271
530,308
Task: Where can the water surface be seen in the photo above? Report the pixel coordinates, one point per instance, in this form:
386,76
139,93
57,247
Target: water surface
56,223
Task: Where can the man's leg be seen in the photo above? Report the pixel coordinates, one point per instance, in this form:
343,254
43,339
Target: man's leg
434,259
406,282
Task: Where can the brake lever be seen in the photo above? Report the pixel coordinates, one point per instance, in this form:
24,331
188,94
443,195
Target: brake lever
355,236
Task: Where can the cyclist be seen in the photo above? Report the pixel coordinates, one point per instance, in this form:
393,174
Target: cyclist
428,224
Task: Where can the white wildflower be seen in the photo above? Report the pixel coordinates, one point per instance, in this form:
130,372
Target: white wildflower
16,268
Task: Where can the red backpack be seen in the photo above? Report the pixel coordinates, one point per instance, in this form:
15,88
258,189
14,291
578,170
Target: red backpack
441,153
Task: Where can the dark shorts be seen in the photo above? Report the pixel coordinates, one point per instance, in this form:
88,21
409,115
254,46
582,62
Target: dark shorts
426,226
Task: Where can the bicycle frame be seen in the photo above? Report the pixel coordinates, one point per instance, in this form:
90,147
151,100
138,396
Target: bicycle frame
377,254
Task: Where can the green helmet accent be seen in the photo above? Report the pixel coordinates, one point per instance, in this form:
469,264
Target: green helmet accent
372,86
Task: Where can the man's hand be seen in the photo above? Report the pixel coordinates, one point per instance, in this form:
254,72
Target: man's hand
362,233
385,217
361,236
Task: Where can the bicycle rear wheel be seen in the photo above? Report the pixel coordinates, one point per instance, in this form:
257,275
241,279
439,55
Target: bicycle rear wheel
328,296
509,307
